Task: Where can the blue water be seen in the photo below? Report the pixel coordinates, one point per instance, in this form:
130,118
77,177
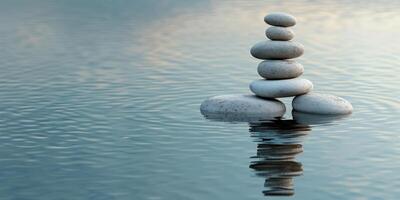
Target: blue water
100,100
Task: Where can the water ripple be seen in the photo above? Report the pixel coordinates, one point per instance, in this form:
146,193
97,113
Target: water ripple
100,101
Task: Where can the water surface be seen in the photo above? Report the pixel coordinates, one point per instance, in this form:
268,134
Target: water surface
100,100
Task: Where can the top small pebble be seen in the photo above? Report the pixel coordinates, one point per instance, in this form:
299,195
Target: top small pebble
280,19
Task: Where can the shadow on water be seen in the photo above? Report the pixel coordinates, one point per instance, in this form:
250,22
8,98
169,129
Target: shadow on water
279,141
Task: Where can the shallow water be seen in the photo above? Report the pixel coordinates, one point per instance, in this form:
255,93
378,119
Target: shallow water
101,101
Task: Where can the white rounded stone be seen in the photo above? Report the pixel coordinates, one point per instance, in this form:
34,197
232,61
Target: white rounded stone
281,88
322,104
280,19
277,50
279,33
240,106
280,69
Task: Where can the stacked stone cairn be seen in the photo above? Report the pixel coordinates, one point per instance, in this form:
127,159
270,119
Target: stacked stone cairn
281,78
281,75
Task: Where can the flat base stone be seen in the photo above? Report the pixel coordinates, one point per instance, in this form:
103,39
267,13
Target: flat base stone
241,107
325,104
281,88
315,119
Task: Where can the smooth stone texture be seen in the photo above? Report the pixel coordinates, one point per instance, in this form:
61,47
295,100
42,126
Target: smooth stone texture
280,69
236,117
280,19
240,106
322,104
315,119
279,33
281,88
277,50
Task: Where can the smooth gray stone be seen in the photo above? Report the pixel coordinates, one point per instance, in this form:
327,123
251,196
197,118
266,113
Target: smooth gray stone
281,88
277,50
322,104
240,107
235,117
315,119
280,19
279,33
280,69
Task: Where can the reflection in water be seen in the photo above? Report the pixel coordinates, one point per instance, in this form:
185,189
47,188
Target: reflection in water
279,141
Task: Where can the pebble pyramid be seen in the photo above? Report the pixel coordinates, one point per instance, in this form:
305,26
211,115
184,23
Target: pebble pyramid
280,72
280,78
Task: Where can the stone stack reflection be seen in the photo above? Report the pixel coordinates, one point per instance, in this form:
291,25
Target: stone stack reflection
279,142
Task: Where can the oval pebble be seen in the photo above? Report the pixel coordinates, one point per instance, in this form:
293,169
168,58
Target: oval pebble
243,105
322,104
280,69
281,88
315,119
277,50
280,19
279,33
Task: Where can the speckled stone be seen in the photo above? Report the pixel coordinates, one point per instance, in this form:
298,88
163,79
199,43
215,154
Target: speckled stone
280,69
277,50
322,104
281,88
279,33
280,19
245,105
236,117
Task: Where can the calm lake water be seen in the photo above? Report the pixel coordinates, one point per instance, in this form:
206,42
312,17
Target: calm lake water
100,100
